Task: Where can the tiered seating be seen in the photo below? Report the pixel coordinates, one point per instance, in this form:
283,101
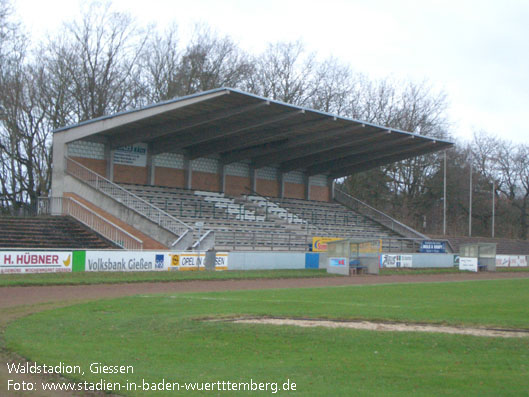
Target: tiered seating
48,233
229,205
269,207
255,222
236,225
335,220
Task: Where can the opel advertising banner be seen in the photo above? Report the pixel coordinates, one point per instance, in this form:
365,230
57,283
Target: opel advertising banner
189,261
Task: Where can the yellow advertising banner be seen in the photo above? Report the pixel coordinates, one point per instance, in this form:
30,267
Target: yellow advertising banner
185,261
319,244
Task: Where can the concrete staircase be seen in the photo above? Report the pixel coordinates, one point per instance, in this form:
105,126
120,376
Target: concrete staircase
50,232
123,204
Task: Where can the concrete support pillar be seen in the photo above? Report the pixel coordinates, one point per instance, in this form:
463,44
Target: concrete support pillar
221,171
59,149
188,173
150,165
109,158
253,179
330,184
282,185
306,184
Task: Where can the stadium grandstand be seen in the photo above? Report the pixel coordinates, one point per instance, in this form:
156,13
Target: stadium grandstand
225,169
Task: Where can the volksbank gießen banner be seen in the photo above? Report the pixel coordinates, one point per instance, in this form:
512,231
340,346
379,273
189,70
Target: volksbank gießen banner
140,261
35,261
125,261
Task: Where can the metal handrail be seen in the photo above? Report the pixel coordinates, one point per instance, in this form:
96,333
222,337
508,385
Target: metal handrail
129,199
91,219
202,238
376,215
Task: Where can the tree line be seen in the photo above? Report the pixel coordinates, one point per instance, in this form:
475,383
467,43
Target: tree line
104,62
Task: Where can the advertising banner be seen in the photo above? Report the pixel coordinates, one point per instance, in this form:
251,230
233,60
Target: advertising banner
221,261
193,261
511,261
338,262
468,264
35,261
433,247
126,261
319,244
143,261
135,155
390,260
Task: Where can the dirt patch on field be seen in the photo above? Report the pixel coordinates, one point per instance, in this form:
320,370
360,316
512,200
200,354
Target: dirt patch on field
387,327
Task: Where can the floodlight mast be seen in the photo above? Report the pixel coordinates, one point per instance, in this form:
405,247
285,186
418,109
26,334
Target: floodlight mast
444,197
470,202
493,209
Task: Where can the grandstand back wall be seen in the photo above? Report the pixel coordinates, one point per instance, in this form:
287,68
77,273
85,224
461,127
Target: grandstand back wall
169,169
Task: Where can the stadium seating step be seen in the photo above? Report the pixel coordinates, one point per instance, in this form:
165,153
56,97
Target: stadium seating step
49,232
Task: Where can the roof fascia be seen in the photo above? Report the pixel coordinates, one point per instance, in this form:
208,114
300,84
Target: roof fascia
98,126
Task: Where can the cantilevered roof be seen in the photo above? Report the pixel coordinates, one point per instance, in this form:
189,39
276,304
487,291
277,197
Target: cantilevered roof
235,126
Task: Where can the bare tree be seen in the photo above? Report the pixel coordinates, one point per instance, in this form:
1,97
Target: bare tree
409,107
25,139
86,72
334,85
284,72
160,63
12,54
512,164
210,62
96,59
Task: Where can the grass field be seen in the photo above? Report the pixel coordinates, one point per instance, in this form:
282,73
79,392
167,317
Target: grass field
163,337
444,270
85,278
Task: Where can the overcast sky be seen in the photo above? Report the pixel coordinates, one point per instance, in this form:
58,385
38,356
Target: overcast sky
476,51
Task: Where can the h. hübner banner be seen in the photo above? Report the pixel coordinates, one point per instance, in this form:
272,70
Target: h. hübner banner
35,261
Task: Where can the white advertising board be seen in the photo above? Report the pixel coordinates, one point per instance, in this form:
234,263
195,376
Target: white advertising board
389,260
468,264
126,261
35,261
142,261
135,155
511,261
189,261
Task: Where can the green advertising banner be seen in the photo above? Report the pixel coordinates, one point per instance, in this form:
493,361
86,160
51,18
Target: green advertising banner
79,260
